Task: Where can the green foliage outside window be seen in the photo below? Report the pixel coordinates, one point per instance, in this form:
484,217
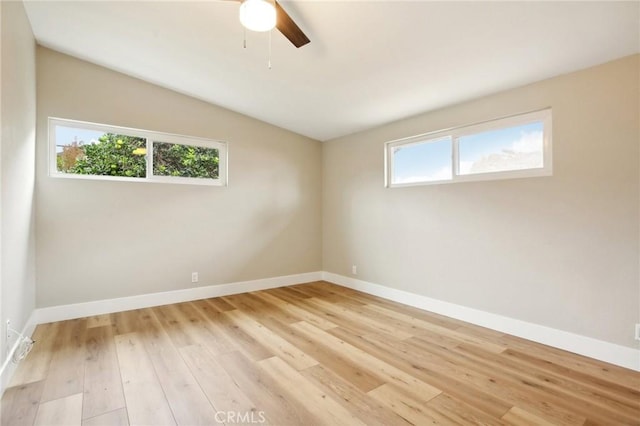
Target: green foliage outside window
121,155
185,161
114,155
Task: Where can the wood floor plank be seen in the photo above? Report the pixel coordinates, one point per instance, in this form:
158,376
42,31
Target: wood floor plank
311,290
429,368
330,292
20,404
300,313
220,304
223,392
102,383
571,395
206,309
362,405
387,372
442,331
458,412
188,402
289,294
150,331
607,372
244,342
126,321
66,371
195,328
365,311
499,383
619,391
306,355
213,337
255,306
270,398
176,325
146,403
330,357
276,344
112,418
492,336
352,317
341,318
407,406
99,321
369,299
519,417
324,409
66,411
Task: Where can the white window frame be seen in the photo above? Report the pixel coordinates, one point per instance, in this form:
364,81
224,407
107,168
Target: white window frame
151,137
455,133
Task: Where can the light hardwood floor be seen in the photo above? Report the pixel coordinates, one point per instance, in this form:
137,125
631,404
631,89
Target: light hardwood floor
306,355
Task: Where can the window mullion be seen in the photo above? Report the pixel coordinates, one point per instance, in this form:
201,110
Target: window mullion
149,158
455,157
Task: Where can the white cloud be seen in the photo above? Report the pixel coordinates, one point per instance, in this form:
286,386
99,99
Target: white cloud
528,142
465,167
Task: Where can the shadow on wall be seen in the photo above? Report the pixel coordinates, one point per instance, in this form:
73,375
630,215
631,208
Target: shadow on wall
150,237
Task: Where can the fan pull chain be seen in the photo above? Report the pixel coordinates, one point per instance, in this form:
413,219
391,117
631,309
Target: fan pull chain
245,37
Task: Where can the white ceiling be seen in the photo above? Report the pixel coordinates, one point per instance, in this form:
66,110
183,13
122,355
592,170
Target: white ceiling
368,63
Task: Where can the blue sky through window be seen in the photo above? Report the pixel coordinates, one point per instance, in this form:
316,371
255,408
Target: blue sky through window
67,135
512,148
423,162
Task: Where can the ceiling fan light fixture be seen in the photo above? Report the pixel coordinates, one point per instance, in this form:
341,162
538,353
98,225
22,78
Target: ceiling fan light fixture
258,15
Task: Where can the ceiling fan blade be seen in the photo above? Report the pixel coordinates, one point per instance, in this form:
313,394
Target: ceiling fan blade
288,28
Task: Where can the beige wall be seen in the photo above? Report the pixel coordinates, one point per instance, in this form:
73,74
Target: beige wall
17,170
560,251
99,240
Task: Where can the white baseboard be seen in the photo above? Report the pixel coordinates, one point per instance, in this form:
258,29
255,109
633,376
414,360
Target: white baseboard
583,345
8,367
593,348
99,307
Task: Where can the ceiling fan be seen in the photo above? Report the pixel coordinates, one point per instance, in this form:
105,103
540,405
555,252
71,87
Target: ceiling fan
264,15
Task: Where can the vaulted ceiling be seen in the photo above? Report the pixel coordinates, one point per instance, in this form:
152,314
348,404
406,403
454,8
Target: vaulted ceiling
368,63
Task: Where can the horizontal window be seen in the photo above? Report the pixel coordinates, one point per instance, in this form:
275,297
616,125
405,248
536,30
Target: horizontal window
518,146
95,151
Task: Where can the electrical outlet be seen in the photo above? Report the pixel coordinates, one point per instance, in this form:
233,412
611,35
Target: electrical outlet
194,277
354,269
637,331
7,331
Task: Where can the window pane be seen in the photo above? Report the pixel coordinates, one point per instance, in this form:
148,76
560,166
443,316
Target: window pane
90,152
513,148
170,159
422,162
